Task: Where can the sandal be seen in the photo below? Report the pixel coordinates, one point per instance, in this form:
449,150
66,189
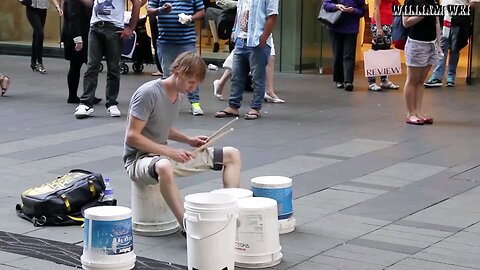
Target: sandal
225,114
4,83
418,121
389,85
252,116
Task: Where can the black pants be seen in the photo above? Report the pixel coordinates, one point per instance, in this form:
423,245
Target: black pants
73,78
154,30
344,49
37,18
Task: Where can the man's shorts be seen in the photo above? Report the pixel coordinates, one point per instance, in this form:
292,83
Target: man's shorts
421,53
142,170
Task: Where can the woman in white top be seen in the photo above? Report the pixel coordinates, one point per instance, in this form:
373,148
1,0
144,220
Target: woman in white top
37,15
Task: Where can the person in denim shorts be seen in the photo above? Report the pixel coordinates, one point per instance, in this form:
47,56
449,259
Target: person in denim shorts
422,50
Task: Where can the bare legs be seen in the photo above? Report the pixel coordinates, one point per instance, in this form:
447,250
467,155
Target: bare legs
231,179
270,96
413,92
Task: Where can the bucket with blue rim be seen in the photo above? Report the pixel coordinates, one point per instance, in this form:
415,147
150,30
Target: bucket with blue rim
278,188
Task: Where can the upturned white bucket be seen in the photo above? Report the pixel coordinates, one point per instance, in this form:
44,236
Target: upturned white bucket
108,239
258,241
278,188
239,193
151,215
210,221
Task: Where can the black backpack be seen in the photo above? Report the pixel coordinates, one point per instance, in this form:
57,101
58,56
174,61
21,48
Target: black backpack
62,201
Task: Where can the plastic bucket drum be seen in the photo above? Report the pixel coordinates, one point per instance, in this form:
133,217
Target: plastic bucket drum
210,221
239,193
108,239
258,242
278,188
151,215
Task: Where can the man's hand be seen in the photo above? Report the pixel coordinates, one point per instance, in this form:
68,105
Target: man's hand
263,41
165,9
180,155
197,141
126,33
78,46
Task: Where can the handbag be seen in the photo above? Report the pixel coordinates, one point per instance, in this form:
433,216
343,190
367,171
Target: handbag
329,18
27,3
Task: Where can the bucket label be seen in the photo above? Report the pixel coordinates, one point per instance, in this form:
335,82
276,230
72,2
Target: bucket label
283,196
108,237
250,234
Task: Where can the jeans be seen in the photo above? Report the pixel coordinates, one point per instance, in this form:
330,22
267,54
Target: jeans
344,49
103,40
246,59
167,53
37,18
439,68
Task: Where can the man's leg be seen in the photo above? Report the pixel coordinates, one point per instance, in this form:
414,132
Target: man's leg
258,60
232,165
90,79
240,69
113,55
169,189
453,60
439,68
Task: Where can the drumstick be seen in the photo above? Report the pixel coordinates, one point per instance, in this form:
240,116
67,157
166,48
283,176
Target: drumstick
210,142
220,129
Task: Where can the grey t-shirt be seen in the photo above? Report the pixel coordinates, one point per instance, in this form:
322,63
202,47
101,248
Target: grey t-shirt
151,103
108,11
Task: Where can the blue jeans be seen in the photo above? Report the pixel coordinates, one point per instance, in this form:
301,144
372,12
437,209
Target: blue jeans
167,53
439,68
103,40
246,59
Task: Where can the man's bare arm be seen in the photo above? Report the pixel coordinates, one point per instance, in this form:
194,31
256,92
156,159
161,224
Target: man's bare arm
136,139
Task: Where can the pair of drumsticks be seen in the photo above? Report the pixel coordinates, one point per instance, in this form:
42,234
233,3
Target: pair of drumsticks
216,135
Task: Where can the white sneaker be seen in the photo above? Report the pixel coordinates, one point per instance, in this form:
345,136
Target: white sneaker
196,109
113,111
83,111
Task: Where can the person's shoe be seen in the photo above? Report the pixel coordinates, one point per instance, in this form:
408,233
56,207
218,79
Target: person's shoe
216,47
40,68
83,111
270,99
433,83
113,111
374,87
349,87
389,85
450,82
196,109
215,90
340,85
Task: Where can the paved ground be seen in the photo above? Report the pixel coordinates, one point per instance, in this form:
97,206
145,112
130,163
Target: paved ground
370,191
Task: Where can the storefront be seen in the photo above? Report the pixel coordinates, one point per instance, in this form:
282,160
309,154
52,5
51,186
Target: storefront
302,44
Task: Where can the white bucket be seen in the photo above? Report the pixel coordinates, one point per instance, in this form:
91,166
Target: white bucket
239,193
108,239
278,188
210,220
151,215
258,241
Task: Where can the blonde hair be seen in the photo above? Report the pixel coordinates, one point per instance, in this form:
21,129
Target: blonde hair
189,64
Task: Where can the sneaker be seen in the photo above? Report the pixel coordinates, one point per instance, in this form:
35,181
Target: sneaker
433,83
450,82
196,109
113,111
83,111
340,85
349,87
374,87
386,84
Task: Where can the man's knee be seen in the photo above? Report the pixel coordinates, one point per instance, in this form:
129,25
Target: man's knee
163,171
231,155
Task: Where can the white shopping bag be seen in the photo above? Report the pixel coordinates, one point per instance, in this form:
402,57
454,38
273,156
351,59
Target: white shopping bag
382,63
